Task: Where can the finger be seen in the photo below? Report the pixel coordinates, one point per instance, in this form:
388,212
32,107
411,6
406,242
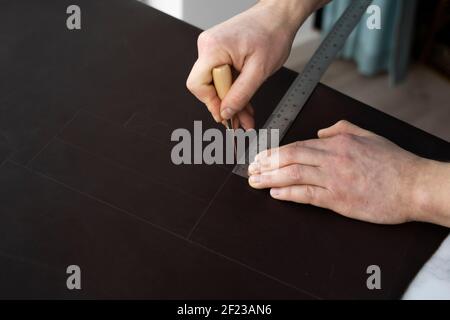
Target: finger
225,124
235,123
246,119
245,86
296,174
200,84
250,109
305,194
286,155
341,127
317,144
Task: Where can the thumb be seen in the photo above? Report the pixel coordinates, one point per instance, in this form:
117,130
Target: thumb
341,127
242,90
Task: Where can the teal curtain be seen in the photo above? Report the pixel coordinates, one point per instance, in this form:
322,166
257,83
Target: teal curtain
375,51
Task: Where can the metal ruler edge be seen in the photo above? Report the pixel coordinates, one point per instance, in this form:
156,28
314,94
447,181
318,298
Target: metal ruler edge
304,84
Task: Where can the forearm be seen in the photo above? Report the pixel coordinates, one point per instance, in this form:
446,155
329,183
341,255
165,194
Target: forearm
433,193
295,11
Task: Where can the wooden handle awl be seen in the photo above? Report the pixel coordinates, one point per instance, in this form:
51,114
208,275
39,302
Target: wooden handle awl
223,79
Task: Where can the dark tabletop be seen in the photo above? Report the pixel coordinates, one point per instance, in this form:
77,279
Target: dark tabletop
86,177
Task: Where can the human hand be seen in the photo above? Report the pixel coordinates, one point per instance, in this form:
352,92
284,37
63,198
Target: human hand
256,43
351,171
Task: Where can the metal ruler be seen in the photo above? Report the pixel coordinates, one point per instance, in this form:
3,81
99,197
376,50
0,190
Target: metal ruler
303,86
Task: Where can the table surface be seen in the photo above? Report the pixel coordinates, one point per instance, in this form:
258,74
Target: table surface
86,177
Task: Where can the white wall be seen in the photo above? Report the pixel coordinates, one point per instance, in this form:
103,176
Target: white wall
207,13
172,7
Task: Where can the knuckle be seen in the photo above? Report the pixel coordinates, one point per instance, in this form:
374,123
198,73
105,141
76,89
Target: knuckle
190,85
193,87
202,39
206,40
295,173
343,123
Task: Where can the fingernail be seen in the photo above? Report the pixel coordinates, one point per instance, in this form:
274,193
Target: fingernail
274,192
255,179
227,113
254,168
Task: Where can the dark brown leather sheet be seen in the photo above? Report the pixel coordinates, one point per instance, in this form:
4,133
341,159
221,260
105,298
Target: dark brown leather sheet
86,177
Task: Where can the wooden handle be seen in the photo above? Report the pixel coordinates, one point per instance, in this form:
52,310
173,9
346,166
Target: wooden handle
223,79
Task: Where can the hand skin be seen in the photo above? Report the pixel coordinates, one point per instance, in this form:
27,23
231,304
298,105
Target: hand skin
256,43
358,174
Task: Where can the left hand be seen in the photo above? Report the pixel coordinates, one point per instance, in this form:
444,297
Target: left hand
349,170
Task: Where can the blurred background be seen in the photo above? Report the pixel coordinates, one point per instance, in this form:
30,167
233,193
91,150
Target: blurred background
402,69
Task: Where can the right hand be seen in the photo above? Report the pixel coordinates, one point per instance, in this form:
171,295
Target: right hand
256,43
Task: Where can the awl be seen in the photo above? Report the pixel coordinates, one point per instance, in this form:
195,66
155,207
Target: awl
223,79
